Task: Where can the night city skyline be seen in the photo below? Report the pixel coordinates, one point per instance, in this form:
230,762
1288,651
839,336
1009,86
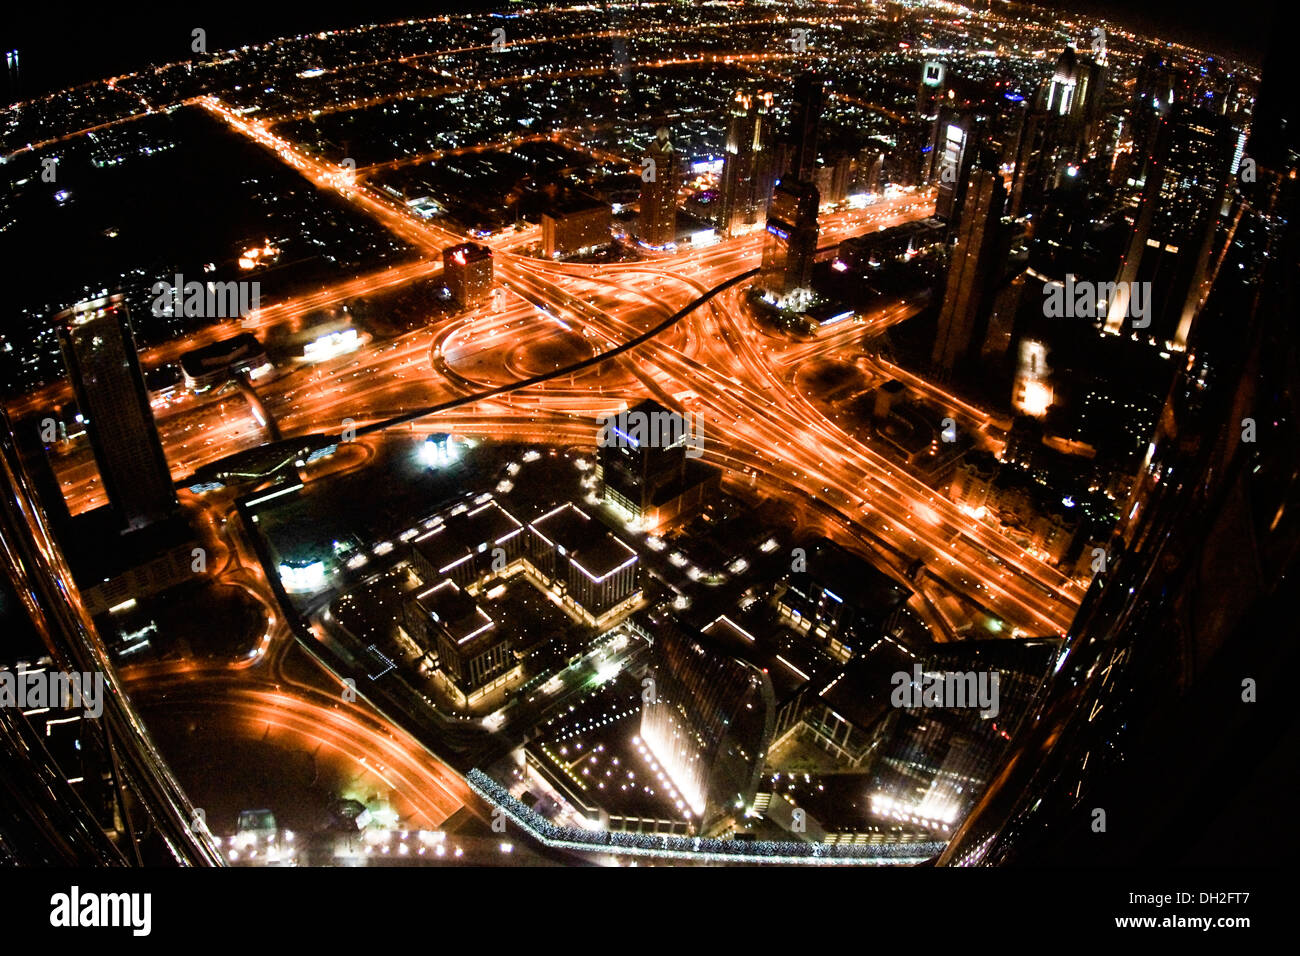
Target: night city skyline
736,434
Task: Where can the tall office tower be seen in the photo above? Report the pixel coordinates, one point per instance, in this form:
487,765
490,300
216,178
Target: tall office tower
637,468
467,273
65,781
973,270
1091,95
908,162
1063,226
1170,245
1075,89
1214,87
708,721
871,170
99,352
1070,103
1059,92
1005,126
833,179
922,132
622,94
791,244
748,168
1154,80
658,223
1029,179
1153,98
805,126
930,89
955,153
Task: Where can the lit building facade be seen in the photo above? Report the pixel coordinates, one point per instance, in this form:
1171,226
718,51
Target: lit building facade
954,153
708,722
791,244
474,656
470,545
467,273
748,167
574,226
658,224
805,127
590,570
100,355
1170,245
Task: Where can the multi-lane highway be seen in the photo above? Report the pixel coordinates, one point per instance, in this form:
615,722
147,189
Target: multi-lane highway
550,315
740,376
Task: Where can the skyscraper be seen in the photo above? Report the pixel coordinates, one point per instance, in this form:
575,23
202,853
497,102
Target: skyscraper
467,273
1170,244
954,152
930,90
658,225
50,819
805,125
1192,607
1057,129
1060,91
708,721
634,471
833,179
791,243
973,270
99,352
1153,97
921,134
747,171
1029,180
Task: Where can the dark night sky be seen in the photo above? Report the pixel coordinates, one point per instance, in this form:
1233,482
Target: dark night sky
1216,25
61,46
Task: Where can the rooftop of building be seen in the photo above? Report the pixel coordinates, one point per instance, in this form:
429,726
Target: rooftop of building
790,664
903,231
466,252
96,551
455,612
850,578
461,535
587,543
575,204
241,346
860,693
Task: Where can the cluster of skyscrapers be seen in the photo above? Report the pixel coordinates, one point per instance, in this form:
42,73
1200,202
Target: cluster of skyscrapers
1019,182
768,178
